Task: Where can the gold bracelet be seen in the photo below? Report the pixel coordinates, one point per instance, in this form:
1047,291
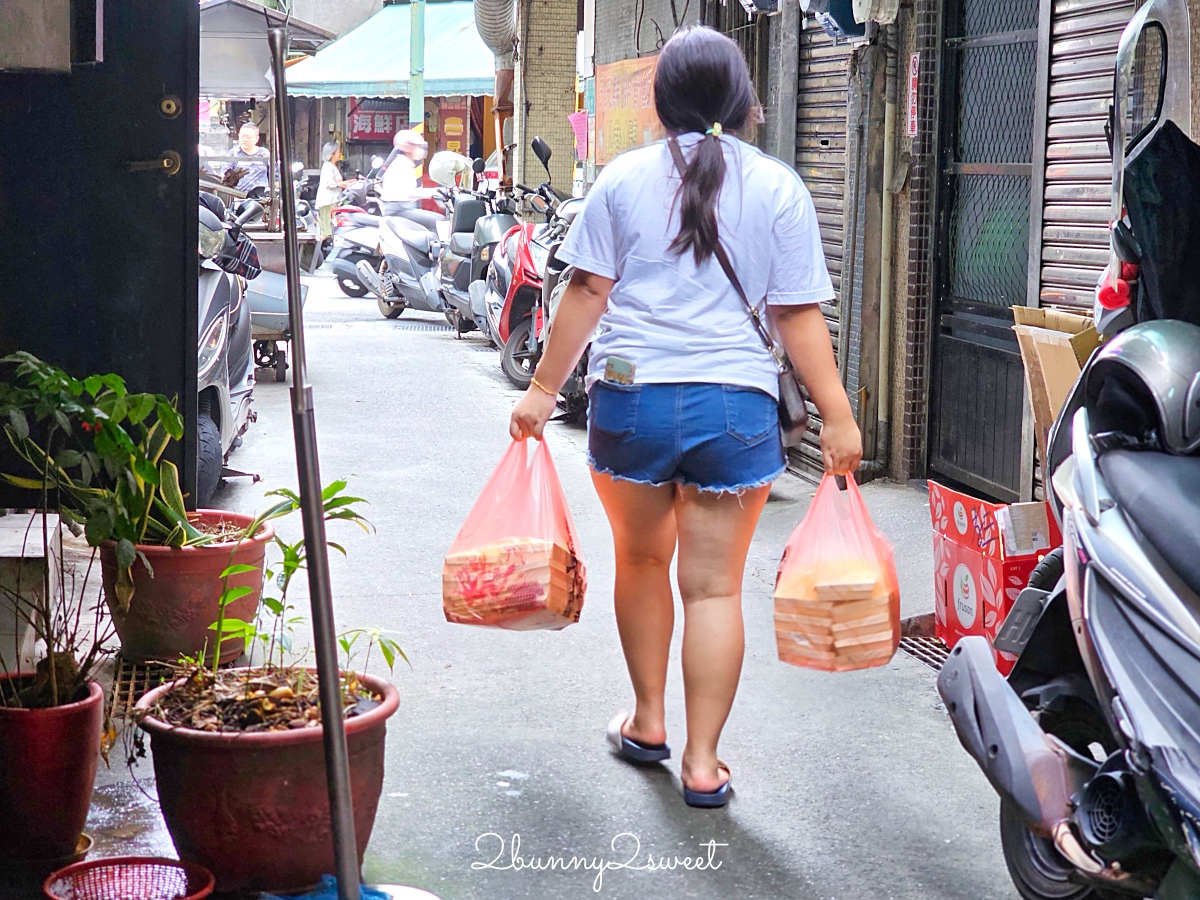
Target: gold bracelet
541,387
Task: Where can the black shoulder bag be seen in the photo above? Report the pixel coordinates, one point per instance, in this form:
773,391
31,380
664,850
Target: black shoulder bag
793,408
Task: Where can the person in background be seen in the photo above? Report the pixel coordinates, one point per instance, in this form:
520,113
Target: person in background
331,183
247,147
400,195
683,420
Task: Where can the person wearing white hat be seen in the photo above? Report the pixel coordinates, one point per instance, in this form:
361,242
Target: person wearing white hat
400,195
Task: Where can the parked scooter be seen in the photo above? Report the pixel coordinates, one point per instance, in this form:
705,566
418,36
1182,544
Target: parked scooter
225,365
573,394
516,275
407,276
363,193
1093,741
355,239
479,219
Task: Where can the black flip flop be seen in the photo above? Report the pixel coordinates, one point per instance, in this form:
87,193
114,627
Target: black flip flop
710,799
629,749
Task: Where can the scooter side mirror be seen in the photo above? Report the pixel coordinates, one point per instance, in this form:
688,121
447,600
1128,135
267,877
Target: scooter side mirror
478,165
297,167
542,151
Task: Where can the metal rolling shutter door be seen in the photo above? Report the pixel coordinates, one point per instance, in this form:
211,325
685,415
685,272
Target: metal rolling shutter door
1083,47
821,106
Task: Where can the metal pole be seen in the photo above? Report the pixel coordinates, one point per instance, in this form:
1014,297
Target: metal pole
337,766
416,75
416,67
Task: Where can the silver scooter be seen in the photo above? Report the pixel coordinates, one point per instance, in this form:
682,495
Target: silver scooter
225,364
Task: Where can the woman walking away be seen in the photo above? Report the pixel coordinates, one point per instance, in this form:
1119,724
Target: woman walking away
683,430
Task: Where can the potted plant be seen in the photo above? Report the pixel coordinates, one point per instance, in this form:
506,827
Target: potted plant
101,453
51,718
239,760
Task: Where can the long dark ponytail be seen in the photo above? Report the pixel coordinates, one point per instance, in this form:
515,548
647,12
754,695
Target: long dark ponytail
702,81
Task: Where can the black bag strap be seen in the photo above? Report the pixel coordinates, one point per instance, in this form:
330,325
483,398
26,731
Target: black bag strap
727,266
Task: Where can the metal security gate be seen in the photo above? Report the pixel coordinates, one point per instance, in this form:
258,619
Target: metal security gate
821,134
1083,50
986,159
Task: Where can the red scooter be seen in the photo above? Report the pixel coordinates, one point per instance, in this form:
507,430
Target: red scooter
514,284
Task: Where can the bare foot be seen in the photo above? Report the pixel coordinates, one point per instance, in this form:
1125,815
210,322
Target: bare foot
703,776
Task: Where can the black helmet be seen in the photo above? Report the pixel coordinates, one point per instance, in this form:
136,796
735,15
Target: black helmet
1145,384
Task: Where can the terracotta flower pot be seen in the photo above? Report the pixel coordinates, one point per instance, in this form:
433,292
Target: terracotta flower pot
48,761
170,613
254,808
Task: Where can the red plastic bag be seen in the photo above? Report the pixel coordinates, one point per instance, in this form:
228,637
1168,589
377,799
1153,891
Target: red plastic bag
515,563
837,598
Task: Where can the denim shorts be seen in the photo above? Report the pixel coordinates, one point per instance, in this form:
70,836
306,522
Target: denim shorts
715,437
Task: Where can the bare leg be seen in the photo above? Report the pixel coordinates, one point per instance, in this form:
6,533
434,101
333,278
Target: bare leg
643,526
714,538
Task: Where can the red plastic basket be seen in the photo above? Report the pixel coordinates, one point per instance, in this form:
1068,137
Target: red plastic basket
130,878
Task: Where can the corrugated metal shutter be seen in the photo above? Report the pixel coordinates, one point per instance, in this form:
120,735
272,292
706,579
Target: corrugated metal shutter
821,106
1083,48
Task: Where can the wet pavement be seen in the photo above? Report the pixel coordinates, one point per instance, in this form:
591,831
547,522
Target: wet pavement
847,786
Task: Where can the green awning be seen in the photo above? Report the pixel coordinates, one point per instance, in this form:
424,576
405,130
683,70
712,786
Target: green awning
372,60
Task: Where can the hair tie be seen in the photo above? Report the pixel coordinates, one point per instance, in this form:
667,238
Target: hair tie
716,130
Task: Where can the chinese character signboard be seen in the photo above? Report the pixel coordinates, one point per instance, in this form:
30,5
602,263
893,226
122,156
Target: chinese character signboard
625,107
914,83
374,125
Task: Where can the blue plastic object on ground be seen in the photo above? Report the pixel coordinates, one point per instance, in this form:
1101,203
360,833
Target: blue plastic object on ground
327,890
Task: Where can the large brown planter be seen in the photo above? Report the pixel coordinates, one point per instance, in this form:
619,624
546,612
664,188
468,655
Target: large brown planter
253,809
48,761
170,614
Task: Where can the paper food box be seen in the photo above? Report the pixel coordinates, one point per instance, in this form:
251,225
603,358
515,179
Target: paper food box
521,584
982,556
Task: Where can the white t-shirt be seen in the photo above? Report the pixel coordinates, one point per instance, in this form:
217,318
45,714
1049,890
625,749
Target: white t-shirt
327,191
678,322
399,181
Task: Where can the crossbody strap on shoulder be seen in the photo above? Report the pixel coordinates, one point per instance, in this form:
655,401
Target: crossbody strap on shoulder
727,266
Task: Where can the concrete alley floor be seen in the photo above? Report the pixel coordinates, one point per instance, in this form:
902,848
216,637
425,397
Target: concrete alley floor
848,786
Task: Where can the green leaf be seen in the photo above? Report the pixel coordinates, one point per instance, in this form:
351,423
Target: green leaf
170,418
126,553
238,569
28,484
168,483
338,547
99,526
140,406
114,383
69,458
235,593
275,606
20,424
92,384
389,656
63,422
233,626
332,488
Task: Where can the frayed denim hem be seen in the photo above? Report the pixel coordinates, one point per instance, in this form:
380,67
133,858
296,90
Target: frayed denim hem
738,489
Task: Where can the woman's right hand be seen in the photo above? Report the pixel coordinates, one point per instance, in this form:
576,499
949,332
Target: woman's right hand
841,445
530,415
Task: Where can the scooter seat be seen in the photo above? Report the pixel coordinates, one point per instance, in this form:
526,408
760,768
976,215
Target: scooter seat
410,233
364,219
1160,494
462,243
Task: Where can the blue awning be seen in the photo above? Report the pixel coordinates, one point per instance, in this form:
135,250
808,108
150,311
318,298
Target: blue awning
373,61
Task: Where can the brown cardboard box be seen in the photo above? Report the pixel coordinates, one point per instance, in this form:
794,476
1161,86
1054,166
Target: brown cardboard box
1054,344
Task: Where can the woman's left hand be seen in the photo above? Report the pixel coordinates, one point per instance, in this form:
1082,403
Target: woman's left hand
530,415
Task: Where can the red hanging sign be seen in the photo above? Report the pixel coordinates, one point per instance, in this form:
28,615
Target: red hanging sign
374,125
914,81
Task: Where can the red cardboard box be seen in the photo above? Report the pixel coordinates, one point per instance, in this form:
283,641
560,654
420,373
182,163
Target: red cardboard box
982,556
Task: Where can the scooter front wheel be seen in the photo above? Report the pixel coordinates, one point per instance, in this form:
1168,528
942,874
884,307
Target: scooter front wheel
517,360
389,310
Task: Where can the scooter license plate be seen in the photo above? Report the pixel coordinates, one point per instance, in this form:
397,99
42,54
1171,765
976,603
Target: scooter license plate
1022,619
